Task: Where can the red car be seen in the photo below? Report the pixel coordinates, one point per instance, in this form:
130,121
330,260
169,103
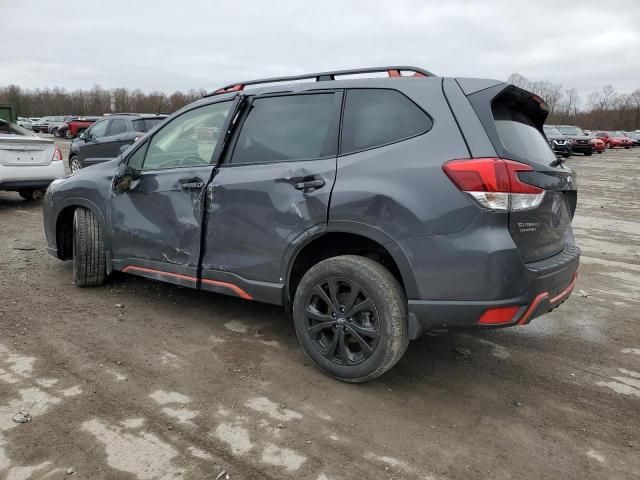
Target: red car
598,145
79,125
612,140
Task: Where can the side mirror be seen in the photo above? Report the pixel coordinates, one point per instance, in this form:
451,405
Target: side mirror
82,136
125,179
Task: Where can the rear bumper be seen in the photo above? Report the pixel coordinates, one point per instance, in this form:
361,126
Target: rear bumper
554,280
15,178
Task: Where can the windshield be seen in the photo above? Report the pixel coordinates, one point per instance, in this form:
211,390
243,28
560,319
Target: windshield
571,131
552,131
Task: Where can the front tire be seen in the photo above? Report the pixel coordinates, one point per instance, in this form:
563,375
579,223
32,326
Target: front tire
75,164
89,262
350,315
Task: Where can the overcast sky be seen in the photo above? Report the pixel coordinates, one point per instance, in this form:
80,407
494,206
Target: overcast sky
181,44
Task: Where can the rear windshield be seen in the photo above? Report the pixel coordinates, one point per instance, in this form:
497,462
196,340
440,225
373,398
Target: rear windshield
7,128
520,137
146,124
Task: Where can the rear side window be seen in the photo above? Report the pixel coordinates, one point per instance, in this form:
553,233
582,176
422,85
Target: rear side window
376,117
146,124
285,128
117,126
99,129
514,115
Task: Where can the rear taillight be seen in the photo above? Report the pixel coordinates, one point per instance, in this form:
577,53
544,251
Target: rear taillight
57,154
494,183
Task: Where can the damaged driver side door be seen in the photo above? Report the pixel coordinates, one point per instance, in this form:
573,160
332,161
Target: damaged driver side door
157,197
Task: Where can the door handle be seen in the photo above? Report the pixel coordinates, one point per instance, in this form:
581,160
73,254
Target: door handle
309,185
196,184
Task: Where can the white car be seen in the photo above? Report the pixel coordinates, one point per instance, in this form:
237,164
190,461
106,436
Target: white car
28,163
25,123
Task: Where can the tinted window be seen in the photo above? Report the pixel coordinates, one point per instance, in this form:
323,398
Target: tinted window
188,140
136,160
99,129
118,126
374,117
296,127
513,114
146,124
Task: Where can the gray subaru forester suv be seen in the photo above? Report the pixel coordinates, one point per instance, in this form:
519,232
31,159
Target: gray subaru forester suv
374,208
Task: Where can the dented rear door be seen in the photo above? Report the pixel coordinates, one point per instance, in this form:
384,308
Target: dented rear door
272,189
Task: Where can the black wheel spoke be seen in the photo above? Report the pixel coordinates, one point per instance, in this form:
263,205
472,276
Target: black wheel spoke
331,348
333,291
314,314
364,305
364,331
363,343
321,326
353,296
343,352
318,290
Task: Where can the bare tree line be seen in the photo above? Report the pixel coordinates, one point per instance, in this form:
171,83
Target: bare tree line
95,101
603,110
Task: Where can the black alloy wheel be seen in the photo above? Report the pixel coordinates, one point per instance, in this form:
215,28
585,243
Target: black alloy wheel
342,321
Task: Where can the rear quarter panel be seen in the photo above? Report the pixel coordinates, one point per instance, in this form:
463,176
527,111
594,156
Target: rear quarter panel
400,189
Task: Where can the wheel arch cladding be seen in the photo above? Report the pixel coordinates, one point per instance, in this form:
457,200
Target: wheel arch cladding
334,243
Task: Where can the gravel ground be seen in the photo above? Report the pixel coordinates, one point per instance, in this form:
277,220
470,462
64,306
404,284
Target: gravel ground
142,380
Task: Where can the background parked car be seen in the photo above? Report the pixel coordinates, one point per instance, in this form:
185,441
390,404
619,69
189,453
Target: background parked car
598,145
559,143
42,125
613,140
635,138
56,123
105,138
77,125
25,123
28,163
580,143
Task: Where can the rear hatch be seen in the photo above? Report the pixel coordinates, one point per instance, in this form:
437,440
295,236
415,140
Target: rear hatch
18,150
513,119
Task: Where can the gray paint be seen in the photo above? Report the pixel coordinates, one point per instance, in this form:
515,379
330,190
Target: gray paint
454,258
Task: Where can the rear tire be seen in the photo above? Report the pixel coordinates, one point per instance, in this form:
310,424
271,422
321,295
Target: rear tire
54,132
32,195
89,262
357,329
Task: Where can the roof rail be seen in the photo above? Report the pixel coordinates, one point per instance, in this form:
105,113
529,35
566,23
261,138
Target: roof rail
392,71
